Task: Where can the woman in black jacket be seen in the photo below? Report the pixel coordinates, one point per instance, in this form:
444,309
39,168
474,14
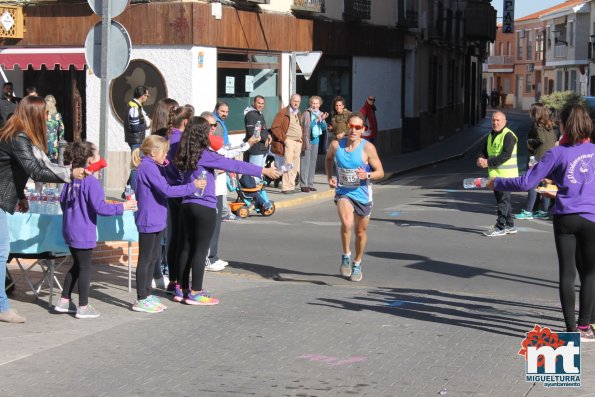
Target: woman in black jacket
22,147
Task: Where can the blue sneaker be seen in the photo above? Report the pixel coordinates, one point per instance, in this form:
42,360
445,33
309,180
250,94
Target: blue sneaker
356,274
541,215
524,215
179,295
345,266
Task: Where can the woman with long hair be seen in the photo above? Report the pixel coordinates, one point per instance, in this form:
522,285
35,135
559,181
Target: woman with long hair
542,137
571,165
160,117
22,156
198,211
55,128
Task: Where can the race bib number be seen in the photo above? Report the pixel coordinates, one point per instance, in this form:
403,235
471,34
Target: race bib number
348,177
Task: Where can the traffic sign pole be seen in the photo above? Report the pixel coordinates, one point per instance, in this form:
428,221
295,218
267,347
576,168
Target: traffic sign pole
104,90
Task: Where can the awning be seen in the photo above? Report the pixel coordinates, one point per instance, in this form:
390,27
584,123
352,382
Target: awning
38,57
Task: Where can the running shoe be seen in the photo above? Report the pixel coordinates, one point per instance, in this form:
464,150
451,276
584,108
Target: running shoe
86,312
65,307
541,214
524,215
200,298
157,302
171,288
510,230
356,273
179,295
345,266
216,266
146,305
587,335
494,231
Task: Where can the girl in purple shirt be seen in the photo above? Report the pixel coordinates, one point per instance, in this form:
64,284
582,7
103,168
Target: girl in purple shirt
152,191
198,211
572,167
81,202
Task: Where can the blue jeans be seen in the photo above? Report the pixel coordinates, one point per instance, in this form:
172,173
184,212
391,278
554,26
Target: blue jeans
132,177
259,160
4,251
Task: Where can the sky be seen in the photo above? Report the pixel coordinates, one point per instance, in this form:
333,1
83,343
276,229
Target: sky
525,7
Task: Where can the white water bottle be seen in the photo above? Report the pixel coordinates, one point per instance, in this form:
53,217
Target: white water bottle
201,177
532,161
130,195
475,183
257,128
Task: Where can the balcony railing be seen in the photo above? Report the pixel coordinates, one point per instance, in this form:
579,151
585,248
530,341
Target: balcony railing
357,9
501,60
560,51
308,6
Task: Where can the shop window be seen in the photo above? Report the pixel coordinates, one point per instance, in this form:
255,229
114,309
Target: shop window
243,75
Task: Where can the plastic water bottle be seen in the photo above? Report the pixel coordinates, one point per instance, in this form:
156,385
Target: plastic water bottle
257,128
233,181
286,167
201,177
130,195
532,161
475,183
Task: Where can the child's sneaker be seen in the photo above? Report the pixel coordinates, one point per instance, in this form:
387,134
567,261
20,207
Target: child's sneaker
345,266
157,302
86,312
356,273
587,335
524,215
179,295
171,288
65,306
146,305
200,298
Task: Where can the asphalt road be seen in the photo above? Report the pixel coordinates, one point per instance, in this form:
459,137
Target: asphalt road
425,232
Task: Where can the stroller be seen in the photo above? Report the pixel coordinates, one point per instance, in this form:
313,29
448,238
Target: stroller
250,196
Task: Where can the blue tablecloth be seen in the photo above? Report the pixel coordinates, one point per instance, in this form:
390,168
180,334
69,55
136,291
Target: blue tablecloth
36,233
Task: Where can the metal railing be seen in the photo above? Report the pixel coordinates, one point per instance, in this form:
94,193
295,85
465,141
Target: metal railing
560,51
501,60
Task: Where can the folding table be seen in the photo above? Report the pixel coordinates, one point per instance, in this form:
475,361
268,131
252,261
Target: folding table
39,237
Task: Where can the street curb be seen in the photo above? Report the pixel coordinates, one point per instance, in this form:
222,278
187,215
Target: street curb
306,199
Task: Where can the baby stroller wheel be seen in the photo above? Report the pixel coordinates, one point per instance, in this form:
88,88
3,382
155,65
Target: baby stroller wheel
243,212
269,211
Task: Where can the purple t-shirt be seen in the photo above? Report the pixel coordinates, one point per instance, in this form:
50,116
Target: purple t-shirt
572,168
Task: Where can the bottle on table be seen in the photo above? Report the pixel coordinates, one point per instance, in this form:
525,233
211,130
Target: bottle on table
475,183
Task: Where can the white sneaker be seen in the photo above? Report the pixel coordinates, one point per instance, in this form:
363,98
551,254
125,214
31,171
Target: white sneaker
214,267
160,283
222,262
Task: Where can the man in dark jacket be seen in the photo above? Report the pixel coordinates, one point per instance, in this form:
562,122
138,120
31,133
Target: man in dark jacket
252,115
136,124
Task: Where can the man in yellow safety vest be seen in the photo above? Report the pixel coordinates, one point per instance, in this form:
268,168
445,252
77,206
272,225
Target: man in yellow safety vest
499,156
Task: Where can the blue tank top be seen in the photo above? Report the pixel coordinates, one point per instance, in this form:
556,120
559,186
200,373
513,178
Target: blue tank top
347,163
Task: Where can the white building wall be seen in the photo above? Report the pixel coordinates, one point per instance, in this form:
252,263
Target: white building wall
380,77
185,82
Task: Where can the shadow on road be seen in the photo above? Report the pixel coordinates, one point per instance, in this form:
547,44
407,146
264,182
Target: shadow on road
493,315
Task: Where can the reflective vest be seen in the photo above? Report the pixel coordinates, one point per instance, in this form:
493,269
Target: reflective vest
508,169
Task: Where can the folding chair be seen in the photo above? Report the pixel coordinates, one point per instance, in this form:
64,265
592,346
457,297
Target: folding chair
48,261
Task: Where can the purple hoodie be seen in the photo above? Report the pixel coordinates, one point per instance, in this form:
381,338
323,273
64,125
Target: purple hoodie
81,202
152,191
572,168
208,161
171,171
